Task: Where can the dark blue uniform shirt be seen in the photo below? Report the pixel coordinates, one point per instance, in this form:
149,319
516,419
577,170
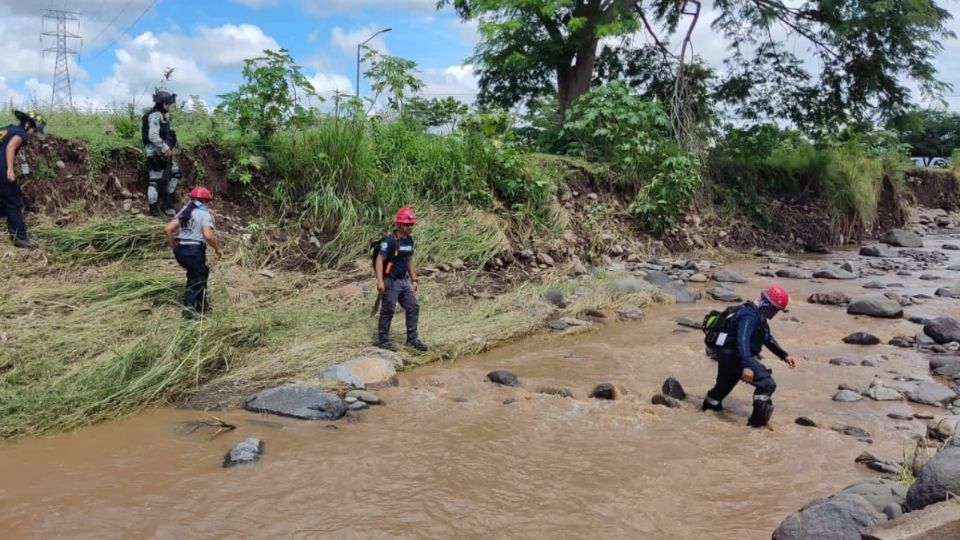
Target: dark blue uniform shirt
11,131
400,261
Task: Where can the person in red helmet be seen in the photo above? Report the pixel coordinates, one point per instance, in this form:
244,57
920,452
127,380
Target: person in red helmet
738,349
397,280
188,234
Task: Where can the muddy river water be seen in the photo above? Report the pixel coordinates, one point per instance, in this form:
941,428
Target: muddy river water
446,458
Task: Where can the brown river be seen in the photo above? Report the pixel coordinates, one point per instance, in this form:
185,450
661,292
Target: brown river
446,458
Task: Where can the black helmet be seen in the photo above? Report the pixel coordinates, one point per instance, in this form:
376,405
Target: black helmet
32,120
162,96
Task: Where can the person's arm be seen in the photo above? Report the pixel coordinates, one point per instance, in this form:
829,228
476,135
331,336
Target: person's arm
211,239
774,347
746,326
170,230
412,271
153,134
12,147
378,271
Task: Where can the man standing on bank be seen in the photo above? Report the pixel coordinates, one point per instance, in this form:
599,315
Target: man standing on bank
397,280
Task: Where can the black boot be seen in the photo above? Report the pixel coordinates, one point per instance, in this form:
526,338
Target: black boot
169,205
762,411
708,406
155,210
417,344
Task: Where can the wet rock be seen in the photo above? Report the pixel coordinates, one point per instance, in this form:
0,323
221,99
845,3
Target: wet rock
928,277
364,396
944,292
867,362
728,276
931,393
722,294
874,285
558,391
877,251
805,421
672,388
905,342
690,323
555,297
304,402
358,406
246,451
954,268
503,377
878,391
508,401
794,273
939,479
845,386
842,362
852,431
943,427
834,273
699,277
861,338
543,258
594,314
630,312
628,285
902,238
374,371
898,416
837,517
846,396
604,391
666,401
875,305
832,298
882,465
667,285
558,325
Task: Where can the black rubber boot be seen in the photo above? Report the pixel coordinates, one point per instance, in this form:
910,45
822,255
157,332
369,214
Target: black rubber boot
387,345
155,210
24,243
707,406
762,411
169,205
417,344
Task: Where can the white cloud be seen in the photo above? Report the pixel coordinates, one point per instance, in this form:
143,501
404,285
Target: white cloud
228,45
348,41
327,83
330,7
457,81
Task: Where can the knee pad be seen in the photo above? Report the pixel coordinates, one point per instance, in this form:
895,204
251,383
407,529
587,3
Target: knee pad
172,184
152,196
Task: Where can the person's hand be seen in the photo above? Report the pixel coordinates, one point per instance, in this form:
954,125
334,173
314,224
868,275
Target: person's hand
416,287
380,286
219,253
791,361
747,376
11,176
168,153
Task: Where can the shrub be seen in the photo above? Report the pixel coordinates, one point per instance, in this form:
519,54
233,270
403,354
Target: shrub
659,204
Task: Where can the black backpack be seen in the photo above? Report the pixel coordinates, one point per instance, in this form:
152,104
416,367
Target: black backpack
375,249
718,328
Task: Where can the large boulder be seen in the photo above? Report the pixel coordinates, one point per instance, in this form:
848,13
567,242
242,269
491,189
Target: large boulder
931,393
943,329
838,517
794,273
304,402
504,377
834,273
902,238
879,492
881,392
246,451
669,286
604,391
728,276
672,387
376,368
875,305
861,338
939,478
723,294
877,251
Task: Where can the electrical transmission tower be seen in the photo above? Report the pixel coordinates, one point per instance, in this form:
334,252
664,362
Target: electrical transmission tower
58,24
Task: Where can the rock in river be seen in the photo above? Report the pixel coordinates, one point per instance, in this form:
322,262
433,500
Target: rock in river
875,305
671,387
837,517
304,402
938,479
931,393
604,391
902,238
503,377
728,276
861,338
831,299
943,329
247,451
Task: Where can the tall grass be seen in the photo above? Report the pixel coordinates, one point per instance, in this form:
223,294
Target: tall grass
101,240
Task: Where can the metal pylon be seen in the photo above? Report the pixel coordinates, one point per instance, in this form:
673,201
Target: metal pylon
56,25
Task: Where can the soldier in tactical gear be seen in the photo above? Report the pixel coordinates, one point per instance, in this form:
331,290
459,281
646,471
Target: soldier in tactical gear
158,144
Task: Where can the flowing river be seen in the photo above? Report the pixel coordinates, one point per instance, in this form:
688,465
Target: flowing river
446,458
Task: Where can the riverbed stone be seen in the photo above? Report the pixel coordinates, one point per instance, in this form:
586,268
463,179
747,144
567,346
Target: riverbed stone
847,396
944,292
837,517
630,312
358,406
834,273
878,391
373,371
722,294
604,391
938,479
861,338
794,273
852,431
666,401
835,298
669,286
246,451
875,305
874,285
672,387
877,250
879,492
728,276
887,466
304,402
931,393
631,284
902,238
558,391
805,421
504,377
364,396
905,342
943,428
555,297
842,362
690,323
342,375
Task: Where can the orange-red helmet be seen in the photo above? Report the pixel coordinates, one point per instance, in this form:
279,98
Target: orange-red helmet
777,296
405,216
200,193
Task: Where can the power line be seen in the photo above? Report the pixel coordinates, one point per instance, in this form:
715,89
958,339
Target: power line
127,29
117,16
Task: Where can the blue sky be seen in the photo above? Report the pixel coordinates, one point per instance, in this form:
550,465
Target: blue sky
128,43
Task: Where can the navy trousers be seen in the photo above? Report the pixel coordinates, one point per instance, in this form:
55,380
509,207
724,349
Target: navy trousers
11,203
193,258
398,291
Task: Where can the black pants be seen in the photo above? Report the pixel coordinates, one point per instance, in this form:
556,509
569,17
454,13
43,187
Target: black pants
11,204
398,290
193,258
729,371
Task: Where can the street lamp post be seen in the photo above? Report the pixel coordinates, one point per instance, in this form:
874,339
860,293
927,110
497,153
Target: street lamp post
358,55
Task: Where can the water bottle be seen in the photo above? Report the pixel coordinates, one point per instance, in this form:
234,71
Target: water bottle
24,168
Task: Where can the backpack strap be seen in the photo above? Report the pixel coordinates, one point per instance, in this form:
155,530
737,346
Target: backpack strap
396,250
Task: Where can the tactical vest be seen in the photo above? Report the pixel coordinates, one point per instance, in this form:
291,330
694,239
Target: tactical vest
164,128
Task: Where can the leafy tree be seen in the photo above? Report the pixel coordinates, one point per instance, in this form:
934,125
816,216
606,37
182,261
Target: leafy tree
436,113
867,50
391,74
930,133
271,97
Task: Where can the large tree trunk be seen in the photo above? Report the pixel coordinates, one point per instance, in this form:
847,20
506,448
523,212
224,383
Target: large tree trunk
574,76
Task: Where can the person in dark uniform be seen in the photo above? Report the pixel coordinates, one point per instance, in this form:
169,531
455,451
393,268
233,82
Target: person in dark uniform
12,139
188,235
158,144
737,355
397,281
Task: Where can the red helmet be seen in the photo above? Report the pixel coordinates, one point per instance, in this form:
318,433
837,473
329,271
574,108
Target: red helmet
405,216
200,193
777,296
